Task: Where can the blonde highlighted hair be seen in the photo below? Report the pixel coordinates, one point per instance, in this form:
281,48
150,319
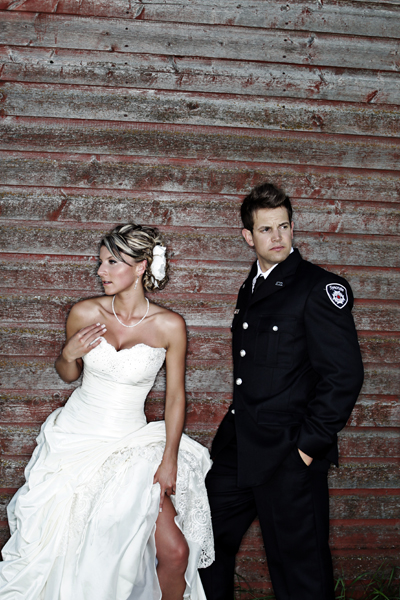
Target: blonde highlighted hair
138,242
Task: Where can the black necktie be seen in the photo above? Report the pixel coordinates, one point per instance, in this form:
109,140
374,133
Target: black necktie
259,281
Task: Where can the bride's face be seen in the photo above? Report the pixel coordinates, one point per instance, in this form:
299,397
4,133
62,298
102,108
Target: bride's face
117,276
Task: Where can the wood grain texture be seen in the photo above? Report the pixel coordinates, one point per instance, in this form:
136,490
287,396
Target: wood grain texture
118,35
204,409
149,106
142,139
379,348
141,173
362,534
196,74
376,504
352,474
209,243
366,18
36,373
354,443
347,564
187,276
194,210
203,310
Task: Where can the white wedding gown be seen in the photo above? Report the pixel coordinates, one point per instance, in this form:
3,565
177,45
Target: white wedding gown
83,524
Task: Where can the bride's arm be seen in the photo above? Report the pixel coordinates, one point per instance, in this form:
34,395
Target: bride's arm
175,404
79,342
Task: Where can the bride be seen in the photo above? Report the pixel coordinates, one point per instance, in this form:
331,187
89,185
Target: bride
114,508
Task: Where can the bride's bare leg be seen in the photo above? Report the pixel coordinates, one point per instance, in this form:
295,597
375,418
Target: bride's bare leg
172,554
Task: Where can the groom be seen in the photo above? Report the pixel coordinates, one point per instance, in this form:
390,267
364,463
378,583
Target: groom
297,375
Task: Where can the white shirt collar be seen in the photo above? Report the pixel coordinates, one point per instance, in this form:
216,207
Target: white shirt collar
264,273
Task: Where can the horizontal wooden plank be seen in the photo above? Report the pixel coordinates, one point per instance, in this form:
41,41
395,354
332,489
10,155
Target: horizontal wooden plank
30,407
204,344
166,174
376,411
253,571
106,138
353,443
352,474
251,564
366,18
196,74
79,273
194,210
204,409
380,348
190,243
201,310
372,443
375,504
37,373
365,474
364,504
155,106
372,505
119,35
355,506
369,315
369,534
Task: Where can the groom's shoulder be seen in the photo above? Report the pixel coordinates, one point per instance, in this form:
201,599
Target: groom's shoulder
317,274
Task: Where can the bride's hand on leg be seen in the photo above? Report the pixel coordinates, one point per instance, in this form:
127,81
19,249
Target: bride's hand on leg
166,476
172,554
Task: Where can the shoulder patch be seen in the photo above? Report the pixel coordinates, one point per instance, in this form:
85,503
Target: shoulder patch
337,294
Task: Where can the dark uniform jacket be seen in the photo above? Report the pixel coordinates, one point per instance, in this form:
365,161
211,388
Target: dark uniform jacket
297,368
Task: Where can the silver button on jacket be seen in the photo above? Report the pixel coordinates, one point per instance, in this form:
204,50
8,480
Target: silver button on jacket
243,353
238,381
245,325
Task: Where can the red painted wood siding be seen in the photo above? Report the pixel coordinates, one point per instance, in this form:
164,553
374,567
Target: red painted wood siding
168,113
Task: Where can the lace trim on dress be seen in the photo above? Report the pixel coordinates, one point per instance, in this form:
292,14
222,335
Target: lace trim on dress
193,513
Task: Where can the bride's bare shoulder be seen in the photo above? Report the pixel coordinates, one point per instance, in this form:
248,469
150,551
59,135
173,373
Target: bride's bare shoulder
169,320
88,309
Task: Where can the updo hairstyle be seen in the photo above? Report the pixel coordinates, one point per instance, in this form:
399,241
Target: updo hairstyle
138,242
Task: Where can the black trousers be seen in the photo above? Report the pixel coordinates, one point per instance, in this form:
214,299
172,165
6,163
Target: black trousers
293,510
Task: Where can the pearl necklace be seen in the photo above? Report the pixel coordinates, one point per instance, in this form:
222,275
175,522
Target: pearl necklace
138,323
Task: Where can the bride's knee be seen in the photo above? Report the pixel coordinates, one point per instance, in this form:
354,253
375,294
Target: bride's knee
177,556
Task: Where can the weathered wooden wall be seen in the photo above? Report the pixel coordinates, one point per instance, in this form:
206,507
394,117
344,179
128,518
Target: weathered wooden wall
167,112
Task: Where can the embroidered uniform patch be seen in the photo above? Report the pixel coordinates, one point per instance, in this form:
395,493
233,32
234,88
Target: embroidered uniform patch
337,294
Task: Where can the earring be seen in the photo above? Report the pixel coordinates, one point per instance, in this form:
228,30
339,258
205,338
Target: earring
136,282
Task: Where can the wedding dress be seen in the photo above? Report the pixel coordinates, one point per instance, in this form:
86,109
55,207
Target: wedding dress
83,524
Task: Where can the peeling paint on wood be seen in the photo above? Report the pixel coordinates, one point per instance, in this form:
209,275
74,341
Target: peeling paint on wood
148,140
369,19
115,35
72,102
141,173
196,74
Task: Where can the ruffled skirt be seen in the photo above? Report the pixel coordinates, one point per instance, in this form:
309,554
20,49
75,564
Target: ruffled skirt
83,524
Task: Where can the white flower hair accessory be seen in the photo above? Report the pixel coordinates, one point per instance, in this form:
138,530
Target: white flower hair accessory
159,263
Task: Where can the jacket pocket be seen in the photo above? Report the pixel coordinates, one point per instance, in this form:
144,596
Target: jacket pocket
275,341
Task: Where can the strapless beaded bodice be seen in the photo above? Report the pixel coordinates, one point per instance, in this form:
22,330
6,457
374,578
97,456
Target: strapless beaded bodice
114,388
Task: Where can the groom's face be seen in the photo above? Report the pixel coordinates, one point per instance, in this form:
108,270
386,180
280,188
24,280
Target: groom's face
271,237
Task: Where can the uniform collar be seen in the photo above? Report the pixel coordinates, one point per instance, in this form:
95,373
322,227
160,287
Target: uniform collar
278,278
266,273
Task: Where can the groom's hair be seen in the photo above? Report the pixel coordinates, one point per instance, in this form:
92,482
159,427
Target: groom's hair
265,195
